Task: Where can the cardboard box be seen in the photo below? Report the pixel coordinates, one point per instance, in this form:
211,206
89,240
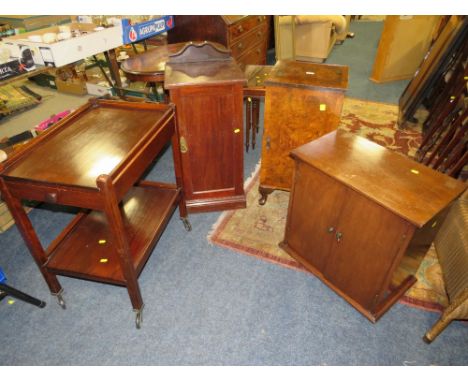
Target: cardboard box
60,53
31,22
71,86
98,87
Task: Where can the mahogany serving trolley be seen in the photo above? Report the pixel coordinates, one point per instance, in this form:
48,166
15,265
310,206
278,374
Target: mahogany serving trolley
94,160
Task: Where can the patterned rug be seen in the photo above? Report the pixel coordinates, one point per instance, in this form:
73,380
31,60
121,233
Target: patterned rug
257,230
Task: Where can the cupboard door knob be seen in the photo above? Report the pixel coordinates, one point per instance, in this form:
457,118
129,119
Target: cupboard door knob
330,229
339,236
51,197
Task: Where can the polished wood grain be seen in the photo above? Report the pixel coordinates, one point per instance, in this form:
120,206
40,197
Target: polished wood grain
94,159
308,75
297,110
357,231
144,211
77,156
207,91
149,66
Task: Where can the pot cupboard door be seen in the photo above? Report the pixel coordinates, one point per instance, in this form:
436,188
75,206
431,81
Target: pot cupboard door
316,202
210,133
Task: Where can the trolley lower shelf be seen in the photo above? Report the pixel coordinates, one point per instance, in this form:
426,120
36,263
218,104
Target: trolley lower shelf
85,248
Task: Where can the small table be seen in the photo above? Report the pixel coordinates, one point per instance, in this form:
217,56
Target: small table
254,91
94,159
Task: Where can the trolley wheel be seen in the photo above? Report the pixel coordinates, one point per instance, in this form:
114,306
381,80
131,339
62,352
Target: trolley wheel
187,225
61,301
138,318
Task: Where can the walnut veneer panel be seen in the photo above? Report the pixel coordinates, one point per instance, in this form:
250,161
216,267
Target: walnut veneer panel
303,102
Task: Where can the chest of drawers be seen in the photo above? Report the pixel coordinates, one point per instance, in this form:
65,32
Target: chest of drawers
245,36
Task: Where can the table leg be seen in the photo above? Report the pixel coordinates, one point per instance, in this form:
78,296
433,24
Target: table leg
248,122
179,181
119,238
111,59
255,119
33,243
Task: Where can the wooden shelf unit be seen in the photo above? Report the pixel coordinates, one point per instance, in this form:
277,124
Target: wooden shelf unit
94,159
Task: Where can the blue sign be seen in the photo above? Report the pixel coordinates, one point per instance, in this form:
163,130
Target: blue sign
140,31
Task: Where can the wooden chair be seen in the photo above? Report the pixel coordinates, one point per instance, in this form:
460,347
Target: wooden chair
451,244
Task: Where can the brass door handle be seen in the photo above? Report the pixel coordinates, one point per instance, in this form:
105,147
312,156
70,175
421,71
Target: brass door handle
240,28
183,145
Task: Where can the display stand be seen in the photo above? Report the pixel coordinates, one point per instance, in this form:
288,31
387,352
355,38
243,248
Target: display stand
94,159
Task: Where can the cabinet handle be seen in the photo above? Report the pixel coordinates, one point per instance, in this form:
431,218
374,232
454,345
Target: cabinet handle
330,229
240,29
51,197
339,236
183,145
240,45
261,18
259,34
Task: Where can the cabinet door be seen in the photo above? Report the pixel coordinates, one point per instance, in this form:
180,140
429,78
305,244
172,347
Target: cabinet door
365,248
313,213
210,130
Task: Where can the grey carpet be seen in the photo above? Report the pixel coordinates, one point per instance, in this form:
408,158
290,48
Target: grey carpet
210,306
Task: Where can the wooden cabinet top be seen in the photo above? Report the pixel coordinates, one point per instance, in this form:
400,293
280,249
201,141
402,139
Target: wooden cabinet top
202,64
96,139
308,75
407,188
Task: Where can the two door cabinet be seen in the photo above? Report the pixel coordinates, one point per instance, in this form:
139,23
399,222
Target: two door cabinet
361,218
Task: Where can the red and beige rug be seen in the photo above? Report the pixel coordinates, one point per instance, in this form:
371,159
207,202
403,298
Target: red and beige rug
257,230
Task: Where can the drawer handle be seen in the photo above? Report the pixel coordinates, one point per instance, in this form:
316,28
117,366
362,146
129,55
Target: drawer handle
240,29
338,236
240,46
330,229
259,34
51,197
261,18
